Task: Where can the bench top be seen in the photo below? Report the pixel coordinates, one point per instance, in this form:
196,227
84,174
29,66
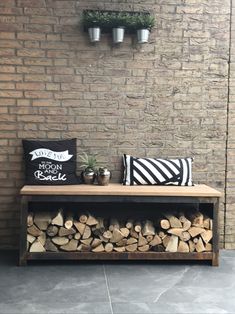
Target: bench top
119,189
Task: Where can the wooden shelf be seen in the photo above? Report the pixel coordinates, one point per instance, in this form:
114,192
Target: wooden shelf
119,189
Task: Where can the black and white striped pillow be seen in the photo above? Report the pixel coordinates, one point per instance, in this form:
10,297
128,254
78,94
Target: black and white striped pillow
157,171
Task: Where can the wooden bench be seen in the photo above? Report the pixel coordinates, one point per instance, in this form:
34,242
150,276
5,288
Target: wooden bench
119,195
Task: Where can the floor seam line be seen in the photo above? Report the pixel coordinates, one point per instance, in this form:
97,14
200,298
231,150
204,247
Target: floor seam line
107,286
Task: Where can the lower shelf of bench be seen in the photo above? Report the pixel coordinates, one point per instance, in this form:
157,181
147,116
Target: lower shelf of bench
119,256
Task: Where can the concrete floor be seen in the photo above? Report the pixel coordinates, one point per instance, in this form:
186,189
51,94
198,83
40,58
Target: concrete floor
77,288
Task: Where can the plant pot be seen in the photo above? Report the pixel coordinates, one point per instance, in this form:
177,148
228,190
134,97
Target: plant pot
118,35
88,177
142,36
94,34
103,176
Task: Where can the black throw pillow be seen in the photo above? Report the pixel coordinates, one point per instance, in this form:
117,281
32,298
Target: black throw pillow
50,162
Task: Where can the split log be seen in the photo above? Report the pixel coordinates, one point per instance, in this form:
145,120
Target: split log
83,248
30,238
120,249
52,231
161,234
131,247
173,244
65,232
138,227
87,241
183,247
95,243
71,246
208,247
103,239
34,231
107,234
134,234
165,224
83,218
36,246
114,224
200,246
156,240
122,242
195,231
149,238
191,246
185,236
99,228
206,223
175,231
158,248
91,221
42,220
87,232
174,221
143,248
99,248
129,224
30,219
42,238
79,226
195,240
166,240
148,228
108,247
197,219
142,240
131,241
77,236
185,222
211,224
117,236
125,232
206,236
49,246
58,219
68,221
60,240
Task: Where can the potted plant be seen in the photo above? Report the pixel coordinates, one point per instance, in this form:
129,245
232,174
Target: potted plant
118,23
143,23
89,164
92,21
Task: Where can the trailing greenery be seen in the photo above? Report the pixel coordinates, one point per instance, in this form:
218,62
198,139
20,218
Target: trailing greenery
108,20
89,162
143,21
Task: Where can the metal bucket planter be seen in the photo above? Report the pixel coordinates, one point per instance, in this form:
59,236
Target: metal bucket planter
94,34
142,36
118,35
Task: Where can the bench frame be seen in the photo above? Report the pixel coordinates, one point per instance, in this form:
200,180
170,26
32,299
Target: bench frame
92,197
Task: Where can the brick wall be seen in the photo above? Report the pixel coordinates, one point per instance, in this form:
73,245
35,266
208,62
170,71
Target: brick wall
167,98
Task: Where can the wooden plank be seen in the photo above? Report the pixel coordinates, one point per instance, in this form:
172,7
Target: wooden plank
119,189
119,256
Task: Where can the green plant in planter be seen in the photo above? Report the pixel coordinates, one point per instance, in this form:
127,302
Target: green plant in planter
89,166
143,24
143,21
92,19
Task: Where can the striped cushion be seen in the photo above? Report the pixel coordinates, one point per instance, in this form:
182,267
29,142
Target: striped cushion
139,171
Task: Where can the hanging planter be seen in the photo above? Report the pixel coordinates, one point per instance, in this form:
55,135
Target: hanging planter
143,23
94,34
92,21
118,35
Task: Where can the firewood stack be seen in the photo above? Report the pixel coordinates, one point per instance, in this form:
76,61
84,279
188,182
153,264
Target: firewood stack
171,233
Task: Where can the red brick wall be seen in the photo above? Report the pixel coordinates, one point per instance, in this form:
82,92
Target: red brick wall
167,98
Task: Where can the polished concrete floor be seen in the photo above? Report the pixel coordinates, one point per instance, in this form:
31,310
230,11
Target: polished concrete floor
127,287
